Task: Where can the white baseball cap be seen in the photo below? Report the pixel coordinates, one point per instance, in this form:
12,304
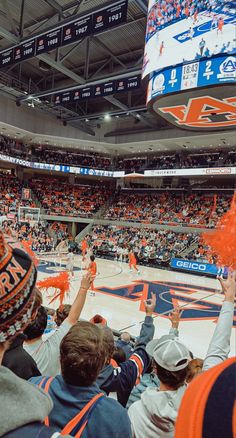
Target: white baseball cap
169,353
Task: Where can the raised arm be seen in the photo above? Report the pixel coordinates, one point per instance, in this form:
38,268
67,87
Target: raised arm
147,329
174,318
78,304
219,347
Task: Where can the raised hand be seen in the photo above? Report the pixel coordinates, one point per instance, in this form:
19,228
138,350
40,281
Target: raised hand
229,286
150,304
175,317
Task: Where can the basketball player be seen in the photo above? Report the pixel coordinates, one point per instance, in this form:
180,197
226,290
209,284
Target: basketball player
133,262
70,263
93,270
161,48
220,25
85,262
84,246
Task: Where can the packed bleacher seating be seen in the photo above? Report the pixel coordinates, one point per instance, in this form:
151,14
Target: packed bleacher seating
11,195
61,198
151,247
73,372
91,159
167,208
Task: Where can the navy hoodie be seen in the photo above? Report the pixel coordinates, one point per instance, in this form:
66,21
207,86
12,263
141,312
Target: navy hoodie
108,419
122,379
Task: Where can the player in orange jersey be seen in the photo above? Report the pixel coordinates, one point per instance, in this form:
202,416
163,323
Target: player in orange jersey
133,262
220,25
84,246
93,271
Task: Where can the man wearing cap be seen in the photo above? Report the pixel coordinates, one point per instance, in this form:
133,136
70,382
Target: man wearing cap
155,414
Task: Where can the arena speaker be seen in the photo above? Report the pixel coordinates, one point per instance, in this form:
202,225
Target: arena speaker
191,65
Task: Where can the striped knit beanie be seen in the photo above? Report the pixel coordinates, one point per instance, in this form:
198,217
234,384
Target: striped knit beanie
208,408
17,294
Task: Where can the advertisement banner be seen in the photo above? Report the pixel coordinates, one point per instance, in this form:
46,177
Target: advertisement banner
197,267
180,31
192,172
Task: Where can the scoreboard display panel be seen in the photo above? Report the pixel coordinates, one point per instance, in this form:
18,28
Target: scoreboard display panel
180,31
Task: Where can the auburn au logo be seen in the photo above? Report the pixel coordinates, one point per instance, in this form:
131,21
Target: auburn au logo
200,111
197,303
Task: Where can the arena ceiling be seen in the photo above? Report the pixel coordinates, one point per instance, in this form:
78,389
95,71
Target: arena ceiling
115,52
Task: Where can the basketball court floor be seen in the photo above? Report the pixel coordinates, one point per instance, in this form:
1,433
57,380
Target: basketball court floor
119,298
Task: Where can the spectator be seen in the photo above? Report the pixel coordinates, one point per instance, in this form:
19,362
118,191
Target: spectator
46,353
23,407
156,412
150,379
123,380
82,356
125,343
208,406
62,313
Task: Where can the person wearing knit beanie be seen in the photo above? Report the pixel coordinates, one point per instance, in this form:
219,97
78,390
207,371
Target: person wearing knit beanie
208,407
17,293
23,406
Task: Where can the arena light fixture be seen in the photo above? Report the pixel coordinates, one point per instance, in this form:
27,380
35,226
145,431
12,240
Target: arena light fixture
107,117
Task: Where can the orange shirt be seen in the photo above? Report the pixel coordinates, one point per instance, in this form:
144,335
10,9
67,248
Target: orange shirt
93,268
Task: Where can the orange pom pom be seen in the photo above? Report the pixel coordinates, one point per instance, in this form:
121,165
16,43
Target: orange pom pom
60,283
222,241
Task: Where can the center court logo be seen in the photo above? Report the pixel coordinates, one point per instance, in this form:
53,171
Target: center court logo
168,295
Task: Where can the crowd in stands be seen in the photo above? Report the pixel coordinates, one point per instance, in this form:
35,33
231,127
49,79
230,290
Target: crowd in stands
37,235
92,159
11,195
168,208
151,247
61,198
61,385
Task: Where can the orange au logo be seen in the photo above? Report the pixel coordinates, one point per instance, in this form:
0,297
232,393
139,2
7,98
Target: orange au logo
199,111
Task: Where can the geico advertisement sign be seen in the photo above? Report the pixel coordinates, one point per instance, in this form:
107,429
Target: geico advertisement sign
190,265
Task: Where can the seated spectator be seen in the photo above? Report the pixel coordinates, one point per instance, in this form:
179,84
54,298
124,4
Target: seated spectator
23,407
156,412
150,379
125,343
79,404
123,380
46,352
62,313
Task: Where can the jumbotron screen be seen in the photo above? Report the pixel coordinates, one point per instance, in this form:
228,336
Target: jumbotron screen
181,31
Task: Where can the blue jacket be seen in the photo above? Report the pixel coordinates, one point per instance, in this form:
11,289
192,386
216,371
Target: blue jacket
108,419
147,381
122,380
33,430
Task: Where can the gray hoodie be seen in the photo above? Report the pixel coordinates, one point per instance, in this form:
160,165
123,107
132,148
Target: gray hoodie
21,402
155,414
